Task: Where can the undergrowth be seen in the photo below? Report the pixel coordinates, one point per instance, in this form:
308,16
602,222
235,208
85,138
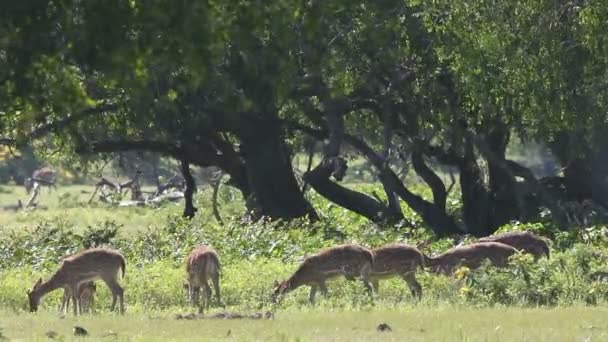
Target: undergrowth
255,254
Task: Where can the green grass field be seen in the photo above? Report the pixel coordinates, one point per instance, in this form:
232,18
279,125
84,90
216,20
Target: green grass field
70,204
414,324
485,305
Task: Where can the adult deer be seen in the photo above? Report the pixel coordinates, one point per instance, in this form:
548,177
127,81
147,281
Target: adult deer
203,265
44,177
76,269
397,260
526,242
471,256
351,261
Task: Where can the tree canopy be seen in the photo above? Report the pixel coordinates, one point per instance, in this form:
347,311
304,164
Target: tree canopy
243,85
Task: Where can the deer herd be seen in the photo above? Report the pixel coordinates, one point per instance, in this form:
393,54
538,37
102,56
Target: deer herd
351,261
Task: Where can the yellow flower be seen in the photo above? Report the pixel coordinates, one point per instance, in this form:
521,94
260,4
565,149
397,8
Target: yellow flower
462,272
464,291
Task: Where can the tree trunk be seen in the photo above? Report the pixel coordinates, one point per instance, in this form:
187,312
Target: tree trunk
475,198
189,208
270,175
585,167
440,194
504,201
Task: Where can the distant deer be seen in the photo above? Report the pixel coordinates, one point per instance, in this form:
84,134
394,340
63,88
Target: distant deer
397,260
86,297
471,256
350,261
203,264
526,242
44,176
79,268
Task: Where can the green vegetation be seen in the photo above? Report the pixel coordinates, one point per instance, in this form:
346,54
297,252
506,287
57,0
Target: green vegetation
254,254
245,86
330,122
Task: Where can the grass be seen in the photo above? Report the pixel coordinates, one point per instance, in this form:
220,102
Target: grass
412,324
255,254
70,205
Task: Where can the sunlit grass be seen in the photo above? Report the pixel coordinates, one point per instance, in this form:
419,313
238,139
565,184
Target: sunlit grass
411,324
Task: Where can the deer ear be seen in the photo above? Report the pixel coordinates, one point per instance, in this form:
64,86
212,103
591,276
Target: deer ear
276,283
186,286
38,283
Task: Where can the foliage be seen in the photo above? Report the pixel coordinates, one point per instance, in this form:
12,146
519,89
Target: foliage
254,254
445,83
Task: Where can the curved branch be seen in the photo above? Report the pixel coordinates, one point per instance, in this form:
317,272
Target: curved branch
60,124
430,177
439,221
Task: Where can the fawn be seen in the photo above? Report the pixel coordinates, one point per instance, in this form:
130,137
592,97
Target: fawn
471,256
526,242
86,296
79,268
350,260
203,264
397,260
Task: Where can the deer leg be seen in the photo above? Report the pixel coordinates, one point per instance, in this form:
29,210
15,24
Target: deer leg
415,288
216,287
194,296
365,276
376,285
65,301
117,292
207,295
74,295
313,292
91,304
323,288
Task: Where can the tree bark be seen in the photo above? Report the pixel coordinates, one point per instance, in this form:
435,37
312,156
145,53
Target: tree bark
430,177
189,208
270,175
475,198
438,220
319,179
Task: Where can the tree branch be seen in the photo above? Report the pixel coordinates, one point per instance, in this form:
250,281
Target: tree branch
60,124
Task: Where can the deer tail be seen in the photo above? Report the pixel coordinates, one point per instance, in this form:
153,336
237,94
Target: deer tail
123,265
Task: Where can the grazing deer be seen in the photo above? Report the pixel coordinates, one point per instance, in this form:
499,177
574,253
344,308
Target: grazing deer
526,242
203,264
43,176
471,256
86,297
79,268
351,261
397,260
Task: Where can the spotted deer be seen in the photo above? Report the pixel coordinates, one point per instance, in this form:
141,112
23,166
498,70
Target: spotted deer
95,263
526,242
397,260
203,265
86,297
471,256
44,176
351,261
